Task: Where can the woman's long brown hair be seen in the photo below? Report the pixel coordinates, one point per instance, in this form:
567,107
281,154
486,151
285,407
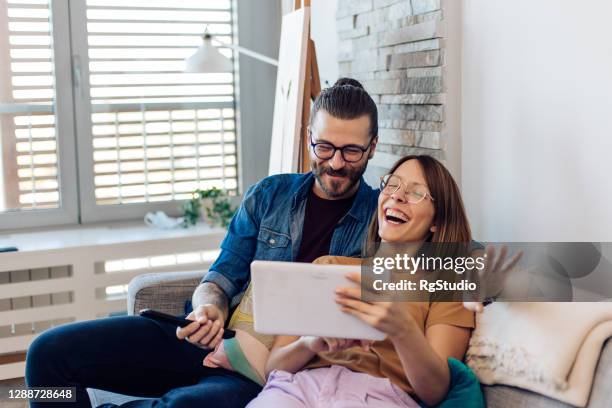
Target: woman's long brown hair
451,222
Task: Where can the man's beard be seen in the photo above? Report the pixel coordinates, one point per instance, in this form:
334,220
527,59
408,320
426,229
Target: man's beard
336,189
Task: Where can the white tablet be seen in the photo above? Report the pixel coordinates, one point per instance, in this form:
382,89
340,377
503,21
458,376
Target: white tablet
298,299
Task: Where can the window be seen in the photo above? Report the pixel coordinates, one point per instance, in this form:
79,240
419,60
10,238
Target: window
31,179
35,109
147,133
158,133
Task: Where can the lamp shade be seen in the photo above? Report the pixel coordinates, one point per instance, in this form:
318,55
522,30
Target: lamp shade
208,59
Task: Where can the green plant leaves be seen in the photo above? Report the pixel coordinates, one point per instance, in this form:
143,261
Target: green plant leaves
220,213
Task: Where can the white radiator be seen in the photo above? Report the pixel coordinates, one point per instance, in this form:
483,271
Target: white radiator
80,274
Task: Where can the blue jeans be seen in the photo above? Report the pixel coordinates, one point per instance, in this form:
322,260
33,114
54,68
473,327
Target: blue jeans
136,356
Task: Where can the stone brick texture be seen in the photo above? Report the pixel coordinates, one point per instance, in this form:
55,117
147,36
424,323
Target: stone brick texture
396,49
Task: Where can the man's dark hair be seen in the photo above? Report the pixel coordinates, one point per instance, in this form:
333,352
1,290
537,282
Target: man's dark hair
347,99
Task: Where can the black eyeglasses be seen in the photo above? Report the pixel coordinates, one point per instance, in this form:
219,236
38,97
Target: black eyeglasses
350,153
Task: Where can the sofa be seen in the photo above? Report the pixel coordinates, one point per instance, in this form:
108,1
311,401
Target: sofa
169,291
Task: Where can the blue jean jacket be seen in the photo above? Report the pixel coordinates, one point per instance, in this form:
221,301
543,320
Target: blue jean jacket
268,226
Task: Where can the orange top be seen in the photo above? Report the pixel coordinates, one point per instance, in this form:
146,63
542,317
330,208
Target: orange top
382,360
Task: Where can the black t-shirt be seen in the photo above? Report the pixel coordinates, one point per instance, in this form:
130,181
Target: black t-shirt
320,219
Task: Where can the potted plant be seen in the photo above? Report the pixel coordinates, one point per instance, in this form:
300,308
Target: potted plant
212,204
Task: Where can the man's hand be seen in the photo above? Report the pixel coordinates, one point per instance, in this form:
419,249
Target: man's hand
210,309
206,331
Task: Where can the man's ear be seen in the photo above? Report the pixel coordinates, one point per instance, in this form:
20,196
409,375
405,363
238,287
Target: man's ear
373,147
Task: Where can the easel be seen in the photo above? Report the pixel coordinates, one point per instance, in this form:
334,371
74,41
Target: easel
312,89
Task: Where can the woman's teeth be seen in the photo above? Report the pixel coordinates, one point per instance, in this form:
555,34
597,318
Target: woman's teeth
395,217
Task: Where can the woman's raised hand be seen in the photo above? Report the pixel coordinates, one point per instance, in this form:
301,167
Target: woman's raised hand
492,277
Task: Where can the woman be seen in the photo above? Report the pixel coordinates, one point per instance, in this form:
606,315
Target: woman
419,202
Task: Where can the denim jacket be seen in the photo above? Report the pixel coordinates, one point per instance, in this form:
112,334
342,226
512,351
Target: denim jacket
268,226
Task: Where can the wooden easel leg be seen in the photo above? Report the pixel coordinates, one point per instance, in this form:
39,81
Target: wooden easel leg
298,4
312,89
304,156
315,86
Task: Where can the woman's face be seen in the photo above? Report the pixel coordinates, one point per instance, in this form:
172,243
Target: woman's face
399,220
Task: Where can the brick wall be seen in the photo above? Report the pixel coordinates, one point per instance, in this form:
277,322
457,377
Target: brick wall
396,49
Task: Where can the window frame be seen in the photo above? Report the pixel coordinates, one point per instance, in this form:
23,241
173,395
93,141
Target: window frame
63,107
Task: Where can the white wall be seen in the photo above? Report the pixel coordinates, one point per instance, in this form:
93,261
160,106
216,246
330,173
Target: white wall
323,33
537,119
258,30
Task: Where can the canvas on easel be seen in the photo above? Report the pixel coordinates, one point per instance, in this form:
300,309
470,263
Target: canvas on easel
297,84
289,96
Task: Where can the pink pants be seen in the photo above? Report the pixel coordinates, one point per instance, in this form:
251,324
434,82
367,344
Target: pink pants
330,387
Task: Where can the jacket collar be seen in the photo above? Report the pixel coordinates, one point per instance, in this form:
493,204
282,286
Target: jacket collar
305,184
361,210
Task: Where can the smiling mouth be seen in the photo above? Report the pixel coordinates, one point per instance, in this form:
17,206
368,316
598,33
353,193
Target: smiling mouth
335,176
395,217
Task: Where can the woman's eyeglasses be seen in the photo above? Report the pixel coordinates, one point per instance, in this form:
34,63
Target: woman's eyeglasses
413,193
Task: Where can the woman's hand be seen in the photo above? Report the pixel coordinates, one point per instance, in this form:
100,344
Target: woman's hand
492,277
392,318
331,344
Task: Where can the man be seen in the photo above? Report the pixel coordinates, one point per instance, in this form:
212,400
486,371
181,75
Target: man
290,217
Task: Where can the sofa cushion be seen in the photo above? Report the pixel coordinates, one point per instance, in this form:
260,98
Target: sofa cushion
501,396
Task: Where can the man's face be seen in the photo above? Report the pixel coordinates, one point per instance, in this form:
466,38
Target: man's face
335,177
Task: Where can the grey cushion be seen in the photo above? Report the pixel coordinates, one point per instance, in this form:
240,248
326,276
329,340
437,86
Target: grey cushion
166,292
502,396
601,394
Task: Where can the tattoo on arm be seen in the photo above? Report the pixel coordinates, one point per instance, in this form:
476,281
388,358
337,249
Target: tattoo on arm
211,293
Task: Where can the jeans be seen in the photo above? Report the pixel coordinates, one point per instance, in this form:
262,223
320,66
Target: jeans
136,356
